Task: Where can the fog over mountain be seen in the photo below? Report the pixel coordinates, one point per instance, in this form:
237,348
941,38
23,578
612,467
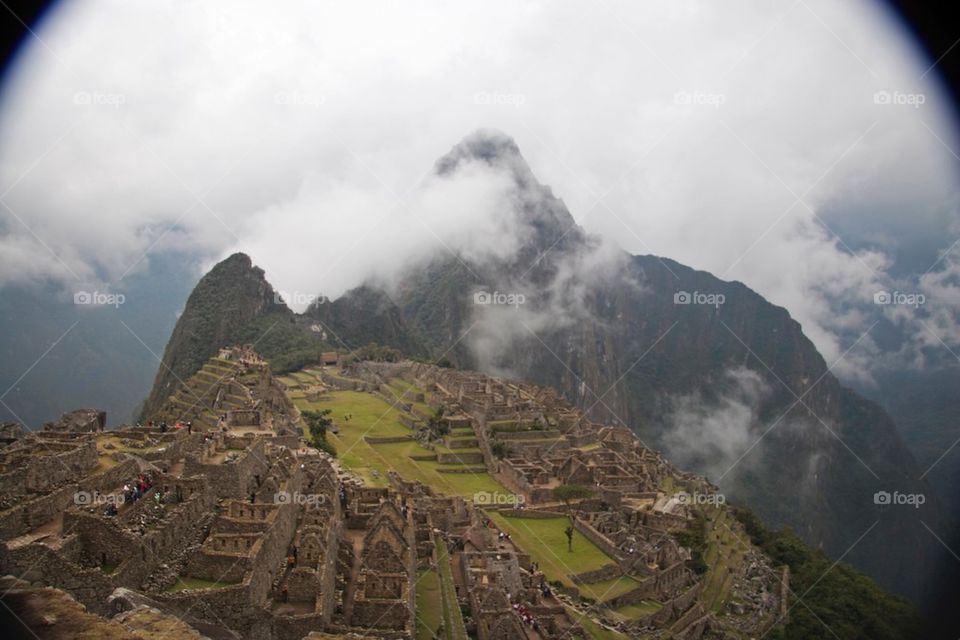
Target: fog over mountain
732,138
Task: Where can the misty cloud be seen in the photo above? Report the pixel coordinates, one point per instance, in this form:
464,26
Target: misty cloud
711,434
730,137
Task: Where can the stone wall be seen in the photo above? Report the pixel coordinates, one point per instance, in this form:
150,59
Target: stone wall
303,585
386,439
599,539
39,563
608,572
531,513
465,457
527,434
644,592
28,515
381,614
43,473
218,567
343,384
166,538
232,479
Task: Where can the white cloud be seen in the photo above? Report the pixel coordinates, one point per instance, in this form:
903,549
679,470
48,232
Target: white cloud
713,434
298,130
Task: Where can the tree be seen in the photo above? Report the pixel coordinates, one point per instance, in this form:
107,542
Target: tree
567,493
317,423
377,353
438,426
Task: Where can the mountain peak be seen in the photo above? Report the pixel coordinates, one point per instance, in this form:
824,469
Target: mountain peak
239,258
491,146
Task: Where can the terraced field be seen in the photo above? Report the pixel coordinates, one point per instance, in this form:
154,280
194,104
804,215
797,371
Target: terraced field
359,417
725,552
192,397
544,539
429,604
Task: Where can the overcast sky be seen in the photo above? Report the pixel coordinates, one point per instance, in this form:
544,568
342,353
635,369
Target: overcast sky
736,137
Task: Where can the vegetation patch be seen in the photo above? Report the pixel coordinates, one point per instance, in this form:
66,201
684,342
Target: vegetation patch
838,601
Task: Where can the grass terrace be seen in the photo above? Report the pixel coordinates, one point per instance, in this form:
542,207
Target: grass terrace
452,616
429,604
510,426
401,386
105,461
544,539
725,553
374,418
636,611
594,630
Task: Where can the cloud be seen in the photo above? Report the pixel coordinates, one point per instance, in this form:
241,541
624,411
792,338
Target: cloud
712,434
747,140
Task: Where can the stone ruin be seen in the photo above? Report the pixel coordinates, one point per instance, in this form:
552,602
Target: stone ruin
79,421
243,531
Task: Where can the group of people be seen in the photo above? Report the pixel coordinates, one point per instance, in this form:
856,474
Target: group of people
133,492
164,427
525,614
138,489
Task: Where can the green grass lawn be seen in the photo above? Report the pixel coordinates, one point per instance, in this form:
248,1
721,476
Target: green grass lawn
544,539
638,610
594,630
401,386
603,591
429,604
396,456
304,378
373,417
452,617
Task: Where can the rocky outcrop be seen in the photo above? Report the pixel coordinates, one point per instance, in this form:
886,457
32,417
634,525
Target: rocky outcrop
79,421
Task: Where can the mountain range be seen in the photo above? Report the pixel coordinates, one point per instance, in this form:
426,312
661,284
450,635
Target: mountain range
708,371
